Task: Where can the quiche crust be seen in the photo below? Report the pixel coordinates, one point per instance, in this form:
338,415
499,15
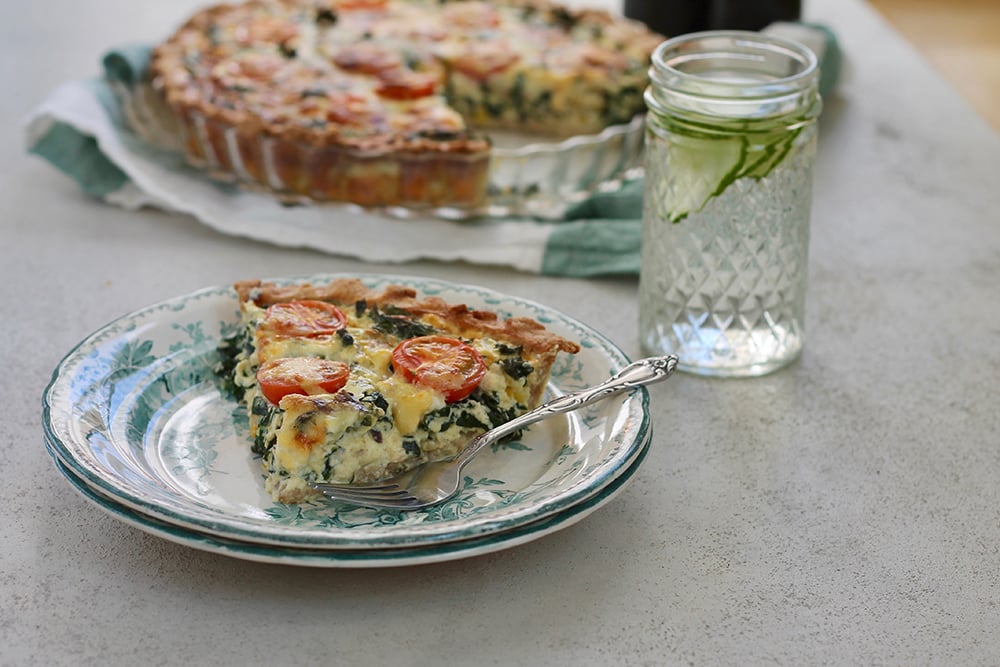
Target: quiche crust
457,318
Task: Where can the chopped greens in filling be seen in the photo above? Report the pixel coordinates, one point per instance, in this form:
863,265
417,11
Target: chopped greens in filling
399,323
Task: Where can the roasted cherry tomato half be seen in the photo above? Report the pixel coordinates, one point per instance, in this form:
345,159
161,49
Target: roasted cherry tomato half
441,363
301,375
471,15
310,319
367,58
481,60
360,4
404,84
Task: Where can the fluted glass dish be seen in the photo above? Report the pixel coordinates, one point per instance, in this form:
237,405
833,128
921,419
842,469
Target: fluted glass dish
522,176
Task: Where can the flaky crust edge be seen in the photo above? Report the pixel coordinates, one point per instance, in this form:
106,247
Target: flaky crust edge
524,331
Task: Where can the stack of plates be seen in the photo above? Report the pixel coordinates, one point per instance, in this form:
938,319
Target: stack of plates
135,421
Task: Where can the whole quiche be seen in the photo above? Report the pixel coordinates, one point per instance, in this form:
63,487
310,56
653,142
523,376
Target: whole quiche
389,102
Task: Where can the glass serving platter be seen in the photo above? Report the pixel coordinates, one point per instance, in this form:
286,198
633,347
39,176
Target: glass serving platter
527,175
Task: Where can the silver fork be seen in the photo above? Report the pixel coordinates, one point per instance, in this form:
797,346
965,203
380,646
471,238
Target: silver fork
435,482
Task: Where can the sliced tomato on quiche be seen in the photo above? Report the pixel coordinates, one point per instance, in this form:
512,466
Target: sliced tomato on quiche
447,365
471,14
305,318
481,60
348,5
406,84
367,58
301,375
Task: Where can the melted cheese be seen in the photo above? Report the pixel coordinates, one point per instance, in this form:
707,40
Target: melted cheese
378,359
309,424
409,403
328,347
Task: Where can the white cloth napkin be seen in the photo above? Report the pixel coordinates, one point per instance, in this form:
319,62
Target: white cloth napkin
80,129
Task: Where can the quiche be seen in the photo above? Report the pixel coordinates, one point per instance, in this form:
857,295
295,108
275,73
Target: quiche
385,102
345,384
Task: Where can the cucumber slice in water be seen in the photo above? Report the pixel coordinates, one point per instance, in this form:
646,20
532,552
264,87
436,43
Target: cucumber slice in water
766,152
702,167
697,169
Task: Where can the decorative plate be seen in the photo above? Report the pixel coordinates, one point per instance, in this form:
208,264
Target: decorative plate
352,558
136,413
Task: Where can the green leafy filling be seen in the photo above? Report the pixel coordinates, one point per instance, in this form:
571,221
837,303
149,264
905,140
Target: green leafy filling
398,322
265,438
231,350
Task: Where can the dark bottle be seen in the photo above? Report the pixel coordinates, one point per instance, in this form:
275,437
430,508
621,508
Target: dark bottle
677,17
751,14
670,17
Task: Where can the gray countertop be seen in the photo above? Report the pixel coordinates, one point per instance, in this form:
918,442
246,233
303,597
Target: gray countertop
845,510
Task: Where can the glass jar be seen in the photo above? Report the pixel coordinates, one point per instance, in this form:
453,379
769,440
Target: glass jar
730,146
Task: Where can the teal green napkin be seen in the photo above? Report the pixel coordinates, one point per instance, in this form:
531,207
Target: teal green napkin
76,152
127,63
603,231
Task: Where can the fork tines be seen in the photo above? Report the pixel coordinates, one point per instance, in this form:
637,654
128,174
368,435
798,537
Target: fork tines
386,495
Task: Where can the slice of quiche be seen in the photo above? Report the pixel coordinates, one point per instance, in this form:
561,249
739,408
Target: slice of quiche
350,385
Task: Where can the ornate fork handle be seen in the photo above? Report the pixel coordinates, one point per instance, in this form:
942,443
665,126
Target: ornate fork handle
637,374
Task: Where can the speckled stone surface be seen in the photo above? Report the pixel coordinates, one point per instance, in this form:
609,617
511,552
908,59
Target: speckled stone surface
845,510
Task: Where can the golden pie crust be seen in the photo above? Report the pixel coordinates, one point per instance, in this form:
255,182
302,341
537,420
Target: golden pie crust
458,319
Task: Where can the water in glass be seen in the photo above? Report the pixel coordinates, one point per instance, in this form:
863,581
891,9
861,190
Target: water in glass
727,207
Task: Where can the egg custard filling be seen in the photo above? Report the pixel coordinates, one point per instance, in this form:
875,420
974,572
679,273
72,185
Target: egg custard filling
347,385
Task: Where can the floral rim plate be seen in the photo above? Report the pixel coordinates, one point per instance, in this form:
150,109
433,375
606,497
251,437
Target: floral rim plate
356,558
135,412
